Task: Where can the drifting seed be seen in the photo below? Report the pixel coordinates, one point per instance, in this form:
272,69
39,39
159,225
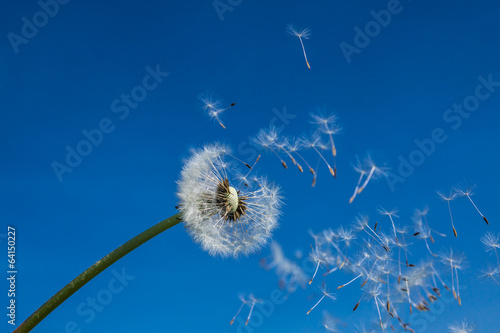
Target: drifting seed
355,307
455,232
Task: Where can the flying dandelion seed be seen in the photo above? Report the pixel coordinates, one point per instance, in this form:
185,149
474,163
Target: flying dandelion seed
329,322
455,263
301,34
314,142
268,139
463,327
251,301
326,294
371,170
449,198
214,107
490,273
467,192
391,213
492,244
224,220
328,125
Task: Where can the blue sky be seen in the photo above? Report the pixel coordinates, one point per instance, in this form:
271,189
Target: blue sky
72,74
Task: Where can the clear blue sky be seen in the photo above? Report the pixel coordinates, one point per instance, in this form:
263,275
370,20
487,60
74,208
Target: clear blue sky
67,76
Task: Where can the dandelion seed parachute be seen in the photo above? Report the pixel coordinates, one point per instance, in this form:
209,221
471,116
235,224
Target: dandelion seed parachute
221,214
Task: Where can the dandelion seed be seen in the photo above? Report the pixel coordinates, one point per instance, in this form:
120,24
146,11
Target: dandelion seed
329,322
294,149
490,273
243,302
301,34
391,213
371,170
449,198
314,142
224,220
267,139
325,294
252,300
463,327
213,106
467,192
455,262
492,244
328,125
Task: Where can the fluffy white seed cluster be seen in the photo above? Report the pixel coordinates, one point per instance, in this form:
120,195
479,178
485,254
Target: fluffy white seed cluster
229,215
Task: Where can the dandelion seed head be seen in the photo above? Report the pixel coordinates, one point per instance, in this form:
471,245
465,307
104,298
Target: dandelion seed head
490,241
463,327
302,33
225,217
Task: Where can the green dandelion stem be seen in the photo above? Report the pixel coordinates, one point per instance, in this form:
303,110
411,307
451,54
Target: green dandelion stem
93,271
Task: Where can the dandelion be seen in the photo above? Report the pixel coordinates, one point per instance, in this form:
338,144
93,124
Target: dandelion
449,198
467,192
325,294
213,106
301,34
463,327
224,220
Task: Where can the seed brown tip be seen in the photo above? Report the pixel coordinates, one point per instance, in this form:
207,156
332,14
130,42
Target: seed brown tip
232,321
284,164
486,220
355,307
455,232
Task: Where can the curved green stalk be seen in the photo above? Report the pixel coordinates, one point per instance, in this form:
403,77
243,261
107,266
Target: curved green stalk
93,271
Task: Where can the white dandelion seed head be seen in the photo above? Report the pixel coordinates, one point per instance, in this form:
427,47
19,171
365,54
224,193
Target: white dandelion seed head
223,215
301,33
463,327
